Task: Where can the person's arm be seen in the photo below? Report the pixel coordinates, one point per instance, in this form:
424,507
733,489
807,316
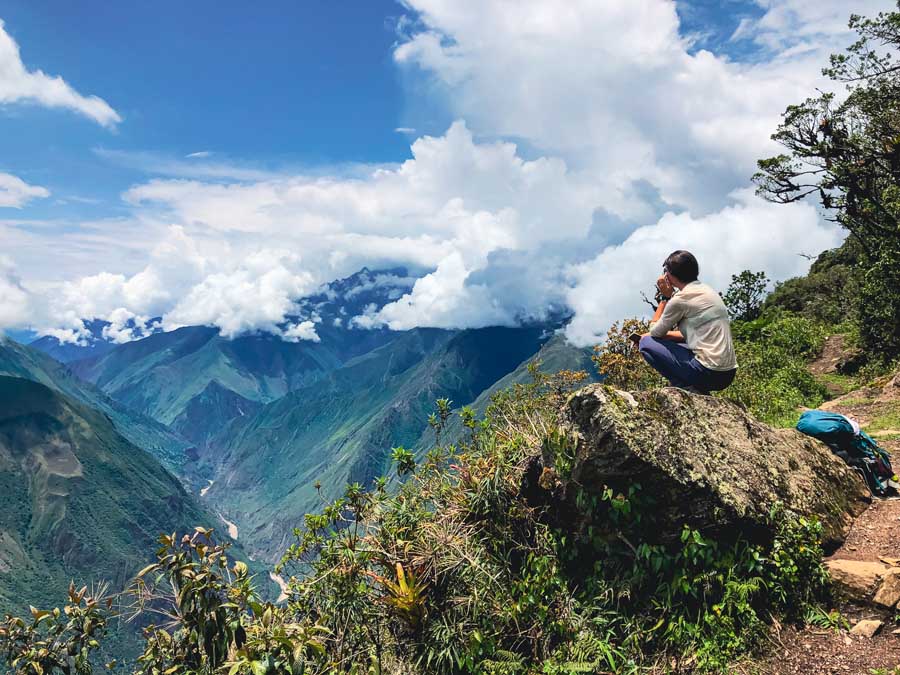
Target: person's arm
668,314
661,324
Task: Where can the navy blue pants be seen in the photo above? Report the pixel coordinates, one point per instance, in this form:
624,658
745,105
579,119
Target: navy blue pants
680,367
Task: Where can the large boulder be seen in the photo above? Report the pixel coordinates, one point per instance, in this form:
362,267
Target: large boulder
706,462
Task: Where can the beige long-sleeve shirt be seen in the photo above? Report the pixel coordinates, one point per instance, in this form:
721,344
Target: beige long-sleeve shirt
699,313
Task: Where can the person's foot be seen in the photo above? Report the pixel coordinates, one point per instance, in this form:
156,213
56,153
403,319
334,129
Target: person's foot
694,390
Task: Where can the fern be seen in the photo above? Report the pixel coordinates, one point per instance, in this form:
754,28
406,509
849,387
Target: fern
503,663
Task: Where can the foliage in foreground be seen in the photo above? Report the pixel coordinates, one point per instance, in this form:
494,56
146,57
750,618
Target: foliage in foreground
460,572
463,570
620,363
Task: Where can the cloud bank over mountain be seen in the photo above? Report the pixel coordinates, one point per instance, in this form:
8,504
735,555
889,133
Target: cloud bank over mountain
591,140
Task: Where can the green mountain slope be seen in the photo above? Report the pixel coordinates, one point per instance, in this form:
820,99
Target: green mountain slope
192,378
195,380
20,361
161,374
77,500
341,429
554,355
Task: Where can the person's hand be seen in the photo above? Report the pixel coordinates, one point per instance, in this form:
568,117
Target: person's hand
664,286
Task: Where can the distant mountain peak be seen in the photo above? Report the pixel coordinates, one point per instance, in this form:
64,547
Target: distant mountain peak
96,337
352,295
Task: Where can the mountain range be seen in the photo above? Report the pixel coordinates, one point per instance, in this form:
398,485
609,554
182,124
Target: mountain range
199,428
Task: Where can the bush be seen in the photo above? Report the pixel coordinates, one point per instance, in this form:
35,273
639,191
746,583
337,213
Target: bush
745,295
829,293
619,362
773,379
879,306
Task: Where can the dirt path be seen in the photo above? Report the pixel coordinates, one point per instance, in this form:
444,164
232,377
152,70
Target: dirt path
875,536
834,352
815,650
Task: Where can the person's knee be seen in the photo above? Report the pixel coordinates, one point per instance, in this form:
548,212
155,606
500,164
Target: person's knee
645,344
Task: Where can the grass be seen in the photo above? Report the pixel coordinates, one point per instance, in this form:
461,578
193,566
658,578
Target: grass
886,424
837,384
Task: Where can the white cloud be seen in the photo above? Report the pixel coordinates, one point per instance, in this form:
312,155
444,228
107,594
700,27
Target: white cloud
189,166
15,192
257,295
628,145
612,88
125,326
751,234
14,301
801,24
302,330
372,281
20,85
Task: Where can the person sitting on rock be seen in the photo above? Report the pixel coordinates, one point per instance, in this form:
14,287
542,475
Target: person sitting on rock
689,342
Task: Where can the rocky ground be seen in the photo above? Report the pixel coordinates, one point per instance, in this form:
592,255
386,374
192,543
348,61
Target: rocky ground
866,568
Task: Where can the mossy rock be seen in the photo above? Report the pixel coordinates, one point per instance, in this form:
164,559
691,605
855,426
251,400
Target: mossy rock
706,463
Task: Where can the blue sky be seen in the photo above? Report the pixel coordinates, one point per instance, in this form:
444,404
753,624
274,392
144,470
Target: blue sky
272,84
277,83
282,144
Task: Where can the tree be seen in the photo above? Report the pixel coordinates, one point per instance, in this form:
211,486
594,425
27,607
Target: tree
745,295
846,153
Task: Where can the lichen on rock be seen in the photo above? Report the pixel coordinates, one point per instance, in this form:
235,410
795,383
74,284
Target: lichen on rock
706,462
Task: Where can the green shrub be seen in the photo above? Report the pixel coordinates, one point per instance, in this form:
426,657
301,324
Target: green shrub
829,293
773,379
619,362
879,306
745,295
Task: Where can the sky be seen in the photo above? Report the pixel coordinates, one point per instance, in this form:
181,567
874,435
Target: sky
214,162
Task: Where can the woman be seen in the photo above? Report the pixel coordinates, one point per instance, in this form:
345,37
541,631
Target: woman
689,342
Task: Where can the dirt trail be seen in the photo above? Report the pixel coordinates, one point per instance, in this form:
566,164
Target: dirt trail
875,535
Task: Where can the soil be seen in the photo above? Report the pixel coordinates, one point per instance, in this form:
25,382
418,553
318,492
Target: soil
834,352
829,652
875,535
814,650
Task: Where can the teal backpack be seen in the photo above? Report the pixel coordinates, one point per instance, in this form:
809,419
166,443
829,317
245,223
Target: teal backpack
859,451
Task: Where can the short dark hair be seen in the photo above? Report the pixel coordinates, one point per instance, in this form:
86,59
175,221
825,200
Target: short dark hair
682,264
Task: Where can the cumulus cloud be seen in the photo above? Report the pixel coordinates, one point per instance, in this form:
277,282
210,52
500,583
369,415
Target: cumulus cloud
20,85
13,297
257,295
628,144
125,326
302,330
751,234
15,192
613,87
